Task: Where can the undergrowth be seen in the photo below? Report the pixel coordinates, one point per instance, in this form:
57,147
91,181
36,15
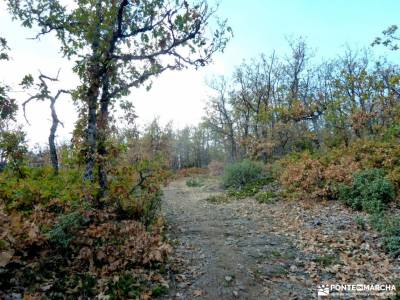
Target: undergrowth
194,182
389,227
56,242
364,176
370,191
242,175
250,189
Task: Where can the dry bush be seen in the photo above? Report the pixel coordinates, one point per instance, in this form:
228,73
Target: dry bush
101,248
49,229
215,168
316,178
186,172
381,155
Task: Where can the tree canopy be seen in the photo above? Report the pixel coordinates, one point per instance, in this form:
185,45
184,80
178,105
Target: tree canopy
118,45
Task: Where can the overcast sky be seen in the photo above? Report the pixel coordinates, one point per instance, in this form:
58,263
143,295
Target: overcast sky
259,26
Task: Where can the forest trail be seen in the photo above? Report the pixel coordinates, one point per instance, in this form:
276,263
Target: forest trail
229,250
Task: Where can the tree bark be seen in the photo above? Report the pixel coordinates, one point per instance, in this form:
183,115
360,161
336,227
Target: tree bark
92,94
102,137
91,132
52,144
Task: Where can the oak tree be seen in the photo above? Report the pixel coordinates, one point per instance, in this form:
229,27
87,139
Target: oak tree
120,44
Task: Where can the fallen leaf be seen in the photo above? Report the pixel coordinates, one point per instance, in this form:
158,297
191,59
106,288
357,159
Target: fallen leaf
5,257
198,293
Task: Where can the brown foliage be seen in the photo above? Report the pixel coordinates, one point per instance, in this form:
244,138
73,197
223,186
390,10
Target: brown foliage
186,172
215,168
17,237
114,246
104,248
315,178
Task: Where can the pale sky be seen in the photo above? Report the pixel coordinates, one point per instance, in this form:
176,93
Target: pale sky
259,26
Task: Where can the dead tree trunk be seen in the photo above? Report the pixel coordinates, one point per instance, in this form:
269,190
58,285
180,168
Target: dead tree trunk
52,136
44,94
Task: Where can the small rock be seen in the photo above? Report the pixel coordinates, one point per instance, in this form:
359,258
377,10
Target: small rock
228,278
317,223
241,287
341,227
235,293
364,246
181,285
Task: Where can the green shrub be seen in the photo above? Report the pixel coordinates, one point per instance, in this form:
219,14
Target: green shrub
123,287
266,197
194,182
249,189
142,205
151,206
86,283
360,221
240,174
63,231
40,187
159,291
13,147
389,227
370,191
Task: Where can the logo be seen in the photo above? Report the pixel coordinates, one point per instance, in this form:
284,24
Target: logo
323,290
356,289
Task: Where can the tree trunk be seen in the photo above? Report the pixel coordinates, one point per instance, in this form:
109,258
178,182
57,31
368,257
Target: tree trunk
52,144
92,94
102,138
91,131
232,149
317,131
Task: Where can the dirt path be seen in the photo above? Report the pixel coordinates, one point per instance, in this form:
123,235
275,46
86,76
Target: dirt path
246,250
225,251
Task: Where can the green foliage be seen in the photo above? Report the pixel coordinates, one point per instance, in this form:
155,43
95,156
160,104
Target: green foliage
86,283
389,226
27,81
63,231
360,221
8,106
241,174
143,206
13,148
370,191
40,187
118,47
219,198
379,154
194,182
249,189
4,49
389,38
267,197
123,287
136,192
159,291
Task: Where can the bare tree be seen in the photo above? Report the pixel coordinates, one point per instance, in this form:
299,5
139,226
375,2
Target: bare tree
42,95
220,117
